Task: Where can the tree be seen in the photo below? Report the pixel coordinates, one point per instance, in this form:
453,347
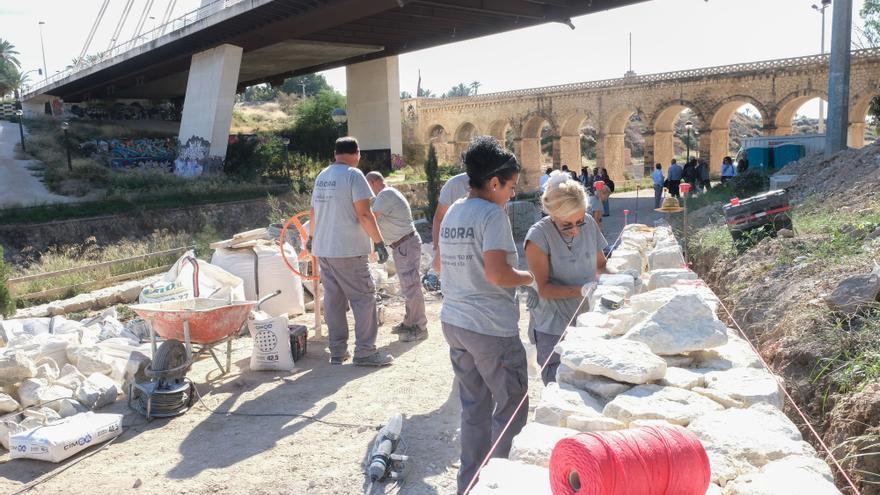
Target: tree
476,86
314,132
870,13
461,89
425,93
7,303
405,95
433,177
8,54
11,79
260,92
315,83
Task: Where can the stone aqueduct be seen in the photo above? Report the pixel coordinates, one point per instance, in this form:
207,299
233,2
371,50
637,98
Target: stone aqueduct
777,88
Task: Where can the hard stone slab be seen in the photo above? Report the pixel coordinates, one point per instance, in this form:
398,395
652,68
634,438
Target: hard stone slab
682,378
720,397
736,353
599,386
619,280
683,324
559,401
593,423
534,444
794,475
748,385
621,360
664,278
592,319
676,405
665,257
503,477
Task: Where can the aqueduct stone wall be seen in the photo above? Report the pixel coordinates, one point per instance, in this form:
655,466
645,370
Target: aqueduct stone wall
777,88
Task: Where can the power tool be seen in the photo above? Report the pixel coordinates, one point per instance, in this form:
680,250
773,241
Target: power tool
385,462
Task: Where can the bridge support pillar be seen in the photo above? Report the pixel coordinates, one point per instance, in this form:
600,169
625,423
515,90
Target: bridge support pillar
556,153
530,159
373,101
609,155
855,138
718,141
570,152
660,149
207,108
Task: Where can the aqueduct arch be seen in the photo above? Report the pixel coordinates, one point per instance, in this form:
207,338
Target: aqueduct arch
463,135
776,88
437,136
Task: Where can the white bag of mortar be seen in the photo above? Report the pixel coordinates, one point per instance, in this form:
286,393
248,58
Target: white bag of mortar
271,338
62,439
262,267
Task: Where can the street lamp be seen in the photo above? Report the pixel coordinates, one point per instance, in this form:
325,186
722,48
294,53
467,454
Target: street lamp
688,125
43,48
286,141
64,127
821,10
21,128
340,117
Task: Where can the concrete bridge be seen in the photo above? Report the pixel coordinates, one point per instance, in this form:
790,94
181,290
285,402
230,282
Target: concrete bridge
777,88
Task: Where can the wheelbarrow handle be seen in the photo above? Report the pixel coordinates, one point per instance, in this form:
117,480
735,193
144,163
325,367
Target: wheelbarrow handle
267,297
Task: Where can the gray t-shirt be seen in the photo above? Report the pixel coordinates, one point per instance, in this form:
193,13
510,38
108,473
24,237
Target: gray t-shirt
575,266
338,233
455,188
395,217
470,228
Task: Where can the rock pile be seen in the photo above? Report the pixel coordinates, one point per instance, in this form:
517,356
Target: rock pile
52,368
665,358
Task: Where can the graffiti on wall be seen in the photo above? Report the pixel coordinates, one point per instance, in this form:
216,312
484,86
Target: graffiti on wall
194,158
140,153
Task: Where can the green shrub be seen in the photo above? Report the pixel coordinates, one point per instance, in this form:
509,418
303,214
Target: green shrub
7,303
433,177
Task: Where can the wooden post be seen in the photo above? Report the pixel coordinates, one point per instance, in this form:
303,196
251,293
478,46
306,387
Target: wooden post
316,291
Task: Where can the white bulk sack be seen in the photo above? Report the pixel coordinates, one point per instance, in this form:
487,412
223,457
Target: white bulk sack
65,438
262,266
271,342
214,282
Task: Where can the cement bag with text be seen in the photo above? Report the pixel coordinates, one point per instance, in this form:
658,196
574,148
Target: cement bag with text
271,342
179,282
60,440
263,270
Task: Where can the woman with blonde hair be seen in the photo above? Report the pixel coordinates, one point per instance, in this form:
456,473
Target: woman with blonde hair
564,253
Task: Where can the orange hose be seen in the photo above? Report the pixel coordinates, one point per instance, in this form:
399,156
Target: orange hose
304,236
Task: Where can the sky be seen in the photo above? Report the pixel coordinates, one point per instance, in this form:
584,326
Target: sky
667,35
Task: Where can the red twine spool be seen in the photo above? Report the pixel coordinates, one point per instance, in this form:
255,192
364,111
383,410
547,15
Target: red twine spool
599,185
652,460
685,188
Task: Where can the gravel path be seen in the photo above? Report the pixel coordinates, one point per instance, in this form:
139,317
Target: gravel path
18,185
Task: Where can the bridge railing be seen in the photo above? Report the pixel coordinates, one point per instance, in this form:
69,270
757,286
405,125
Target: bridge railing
119,48
743,68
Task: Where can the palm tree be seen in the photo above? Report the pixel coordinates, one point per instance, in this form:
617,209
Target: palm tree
11,80
425,93
8,54
476,86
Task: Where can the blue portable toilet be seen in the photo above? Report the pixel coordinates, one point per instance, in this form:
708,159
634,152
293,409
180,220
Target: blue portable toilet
759,159
787,153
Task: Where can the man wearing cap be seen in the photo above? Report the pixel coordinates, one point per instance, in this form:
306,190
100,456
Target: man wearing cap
394,216
342,234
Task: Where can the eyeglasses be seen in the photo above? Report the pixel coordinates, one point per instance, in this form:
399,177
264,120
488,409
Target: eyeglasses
570,226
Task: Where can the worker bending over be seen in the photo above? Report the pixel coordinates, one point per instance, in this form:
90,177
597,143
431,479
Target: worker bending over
564,253
394,217
454,189
343,232
480,312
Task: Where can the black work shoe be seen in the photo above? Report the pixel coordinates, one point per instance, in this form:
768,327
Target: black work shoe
414,334
377,359
400,328
340,359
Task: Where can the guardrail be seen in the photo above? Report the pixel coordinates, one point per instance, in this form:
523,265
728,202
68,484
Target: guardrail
175,24
743,68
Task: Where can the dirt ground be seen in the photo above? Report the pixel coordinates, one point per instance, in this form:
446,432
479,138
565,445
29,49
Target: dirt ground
200,452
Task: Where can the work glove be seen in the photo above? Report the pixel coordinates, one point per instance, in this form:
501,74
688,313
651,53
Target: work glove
588,289
531,296
381,251
309,244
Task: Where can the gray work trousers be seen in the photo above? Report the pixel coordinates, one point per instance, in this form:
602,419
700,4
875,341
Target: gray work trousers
407,258
492,376
348,281
658,195
544,344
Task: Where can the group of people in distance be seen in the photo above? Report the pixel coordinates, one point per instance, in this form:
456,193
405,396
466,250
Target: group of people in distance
598,198
476,255
696,173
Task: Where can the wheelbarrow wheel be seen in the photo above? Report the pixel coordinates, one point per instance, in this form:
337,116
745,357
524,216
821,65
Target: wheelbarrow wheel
171,361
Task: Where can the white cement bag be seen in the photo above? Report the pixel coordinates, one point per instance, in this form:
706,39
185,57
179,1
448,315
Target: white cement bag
271,343
214,282
62,439
262,266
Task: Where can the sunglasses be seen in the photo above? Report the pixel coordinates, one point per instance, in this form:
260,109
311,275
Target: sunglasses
570,226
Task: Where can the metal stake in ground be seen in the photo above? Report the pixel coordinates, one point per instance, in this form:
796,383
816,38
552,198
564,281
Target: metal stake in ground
64,127
21,128
685,190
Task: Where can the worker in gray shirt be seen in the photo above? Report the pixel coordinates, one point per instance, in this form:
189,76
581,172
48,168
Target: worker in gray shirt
342,234
480,313
564,252
455,188
395,220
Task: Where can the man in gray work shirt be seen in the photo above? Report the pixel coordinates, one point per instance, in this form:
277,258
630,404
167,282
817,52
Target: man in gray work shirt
341,229
455,188
395,220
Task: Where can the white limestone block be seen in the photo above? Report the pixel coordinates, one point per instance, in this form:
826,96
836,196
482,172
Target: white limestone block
682,378
748,385
587,332
684,324
70,377
592,319
665,257
736,353
502,477
97,391
599,386
89,359
679,361
559,401
794,475
664,278
714,490
619,280
676,405
594,423
534,444
720,397
605,290
7,403
651,300
36,391
621,360
624,259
